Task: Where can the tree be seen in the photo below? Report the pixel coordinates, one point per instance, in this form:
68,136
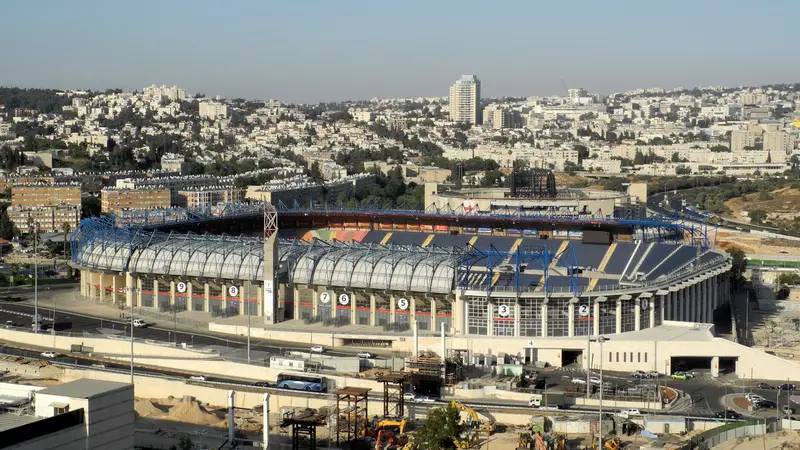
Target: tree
757,216
676,157
441,429
90,207
65,228
7,229
738,265
788,279
316,173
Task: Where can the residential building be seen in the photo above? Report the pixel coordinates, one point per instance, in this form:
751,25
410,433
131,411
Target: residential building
171,93
115,200
172,162
779,142
429,174
46,194
213,110
47,218
743,140
497,117
204,197
465,100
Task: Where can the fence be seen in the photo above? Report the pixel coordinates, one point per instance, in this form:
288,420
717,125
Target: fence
144,312
712,438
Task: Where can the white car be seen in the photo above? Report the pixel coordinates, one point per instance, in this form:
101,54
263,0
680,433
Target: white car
653,374
549,407
629,412
578,380
753,397
99,366
49,354
139,323
425,399
594,380
535,402
365,355
317,349
408,396
197,378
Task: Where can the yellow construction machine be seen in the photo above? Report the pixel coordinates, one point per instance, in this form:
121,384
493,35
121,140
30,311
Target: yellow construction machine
398,427
474,422
608,444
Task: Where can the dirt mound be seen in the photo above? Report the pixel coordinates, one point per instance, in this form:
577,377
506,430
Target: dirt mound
193,412
146,408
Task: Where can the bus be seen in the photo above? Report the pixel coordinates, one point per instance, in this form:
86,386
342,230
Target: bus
309,383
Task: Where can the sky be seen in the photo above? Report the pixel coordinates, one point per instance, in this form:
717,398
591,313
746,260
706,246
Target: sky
333,50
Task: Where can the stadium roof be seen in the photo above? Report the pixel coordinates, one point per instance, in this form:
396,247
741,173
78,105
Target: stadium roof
99,245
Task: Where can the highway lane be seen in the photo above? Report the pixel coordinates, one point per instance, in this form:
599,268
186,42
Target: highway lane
21,314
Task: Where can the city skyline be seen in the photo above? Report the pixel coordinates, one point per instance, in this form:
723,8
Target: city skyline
291,52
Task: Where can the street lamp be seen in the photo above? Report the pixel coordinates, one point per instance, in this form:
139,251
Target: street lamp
247,304
600,339
134,290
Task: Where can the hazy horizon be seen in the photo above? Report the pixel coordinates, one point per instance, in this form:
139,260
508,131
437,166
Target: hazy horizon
355,50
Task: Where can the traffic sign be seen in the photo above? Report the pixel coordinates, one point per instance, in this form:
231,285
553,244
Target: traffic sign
324,297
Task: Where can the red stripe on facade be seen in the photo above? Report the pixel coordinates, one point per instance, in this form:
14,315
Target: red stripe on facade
503,319
361,308
423,313
444,315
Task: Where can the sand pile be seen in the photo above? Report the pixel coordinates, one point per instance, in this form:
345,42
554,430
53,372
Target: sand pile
146,408
193,412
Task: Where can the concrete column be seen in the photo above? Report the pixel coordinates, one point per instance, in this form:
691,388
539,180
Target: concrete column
102,291
715,366
130,282
296,314
637,314
172,293
372,310
544,318
652,310
392,305
206,295
412,310
710,295
315,303
618,324
596,321
190,296
244,301
224,297
353,303
517,312
489,318
434,325
571,312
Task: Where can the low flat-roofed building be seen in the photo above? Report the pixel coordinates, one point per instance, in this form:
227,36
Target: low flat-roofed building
81,414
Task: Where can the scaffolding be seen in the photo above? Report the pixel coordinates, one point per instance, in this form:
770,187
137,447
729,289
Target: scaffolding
304,425
352,414
394,385
430,369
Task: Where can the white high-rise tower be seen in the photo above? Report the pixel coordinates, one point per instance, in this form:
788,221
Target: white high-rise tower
465,100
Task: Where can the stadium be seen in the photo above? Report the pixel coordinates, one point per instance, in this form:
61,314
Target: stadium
529,285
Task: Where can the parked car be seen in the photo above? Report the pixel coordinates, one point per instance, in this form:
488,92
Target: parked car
535,402
197,378
98,366
753,397
788,410
727,415
550,407
787,387
653,374
765,386
578,380
629,412
425,399
317,349
49,354
594,380
365,355
639,374
682,376
408,396
139,323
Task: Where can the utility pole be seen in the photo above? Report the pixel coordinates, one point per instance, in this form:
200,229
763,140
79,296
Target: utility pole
36,318
247,302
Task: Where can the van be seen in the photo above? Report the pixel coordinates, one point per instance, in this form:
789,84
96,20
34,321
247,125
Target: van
536,402
139,323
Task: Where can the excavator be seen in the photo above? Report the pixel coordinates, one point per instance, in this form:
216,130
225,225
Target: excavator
398,427
474,422
608,444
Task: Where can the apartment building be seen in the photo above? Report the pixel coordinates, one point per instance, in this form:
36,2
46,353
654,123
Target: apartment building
742,140
46,194
209,196
465,100
49,219
171,93
172,162
174,184
213,110
779,142
115,200
497,117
